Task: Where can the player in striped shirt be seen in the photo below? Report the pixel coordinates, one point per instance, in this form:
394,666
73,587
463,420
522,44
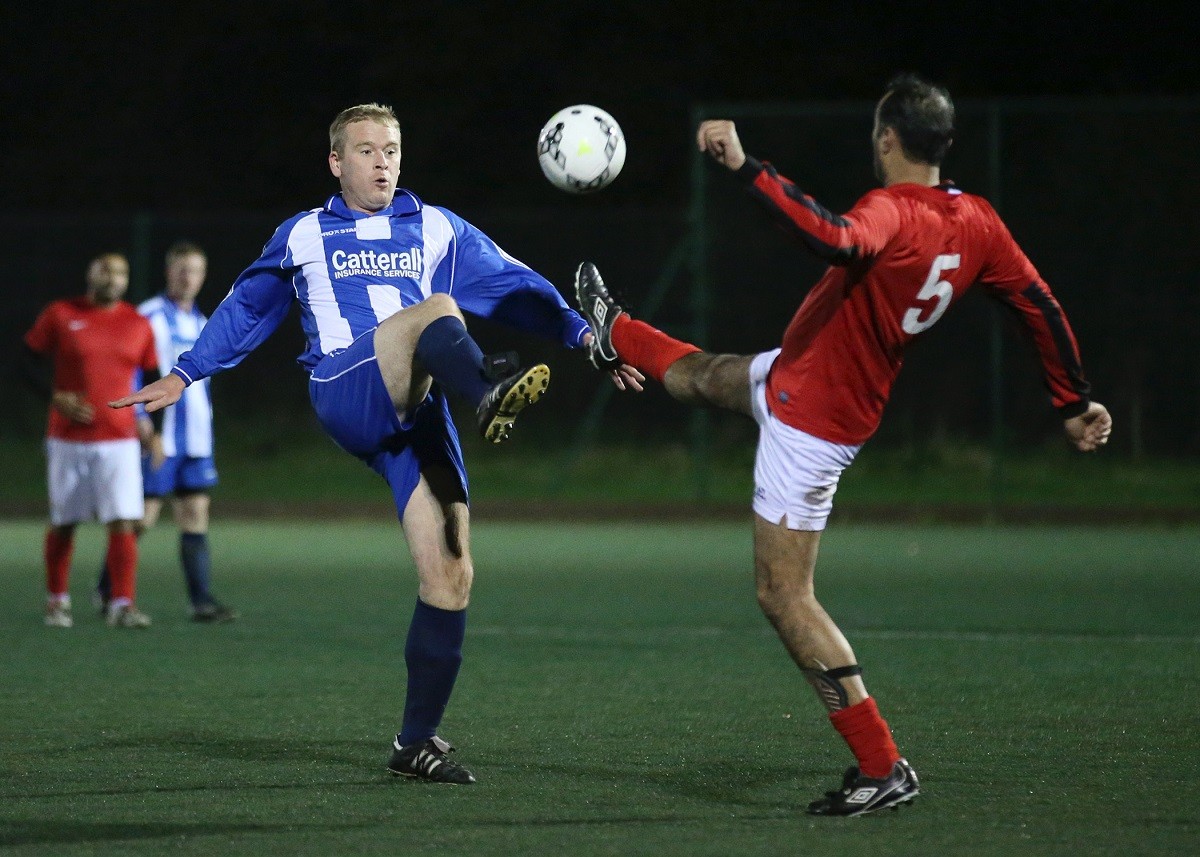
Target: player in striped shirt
899,258
382,281
185,468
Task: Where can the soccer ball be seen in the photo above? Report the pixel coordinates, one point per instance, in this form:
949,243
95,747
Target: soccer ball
581,149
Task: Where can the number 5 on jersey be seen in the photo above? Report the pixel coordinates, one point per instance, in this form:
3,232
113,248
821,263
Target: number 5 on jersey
934,288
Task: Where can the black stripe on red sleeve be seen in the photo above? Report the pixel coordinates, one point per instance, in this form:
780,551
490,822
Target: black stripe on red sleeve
1064,343
798,213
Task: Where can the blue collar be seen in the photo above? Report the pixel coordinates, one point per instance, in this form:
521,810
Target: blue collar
405,203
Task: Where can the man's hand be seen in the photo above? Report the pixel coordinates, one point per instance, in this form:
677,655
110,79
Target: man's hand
719,138
152,443
73,406
165,391
624,376
628,378
1090,430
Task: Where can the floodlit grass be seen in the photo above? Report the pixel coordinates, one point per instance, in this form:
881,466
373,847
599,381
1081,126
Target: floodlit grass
621,695
301,468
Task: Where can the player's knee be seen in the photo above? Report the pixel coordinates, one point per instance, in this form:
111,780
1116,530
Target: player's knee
405,327
774,602
779,599
461,577
450,587
440,304
192,516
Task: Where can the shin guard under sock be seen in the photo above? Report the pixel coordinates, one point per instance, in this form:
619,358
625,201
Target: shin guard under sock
196,559
647,348
451,357
57,550
121,560
433,655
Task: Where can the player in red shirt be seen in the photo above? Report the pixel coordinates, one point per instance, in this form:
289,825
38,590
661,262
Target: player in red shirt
97,343
899,258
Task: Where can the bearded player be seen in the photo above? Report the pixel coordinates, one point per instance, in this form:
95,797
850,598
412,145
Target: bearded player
100,347
899,258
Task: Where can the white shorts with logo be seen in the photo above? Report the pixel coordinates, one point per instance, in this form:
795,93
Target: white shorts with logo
100,481
795,474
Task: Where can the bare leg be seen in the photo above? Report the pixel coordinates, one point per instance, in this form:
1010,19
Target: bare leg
437,528
406,381
152,511
715,380
125,527
190,512
62,531
784,561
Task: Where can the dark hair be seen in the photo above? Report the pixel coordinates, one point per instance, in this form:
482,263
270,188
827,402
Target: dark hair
184,248
921,114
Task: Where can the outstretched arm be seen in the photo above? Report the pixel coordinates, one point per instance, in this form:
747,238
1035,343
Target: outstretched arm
837,239
1011,278
492,284
163,392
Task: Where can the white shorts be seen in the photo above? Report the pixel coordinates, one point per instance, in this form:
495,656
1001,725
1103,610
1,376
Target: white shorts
795,474
99,481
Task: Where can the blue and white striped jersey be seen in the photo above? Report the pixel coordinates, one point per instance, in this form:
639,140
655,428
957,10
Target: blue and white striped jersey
187,425
350,271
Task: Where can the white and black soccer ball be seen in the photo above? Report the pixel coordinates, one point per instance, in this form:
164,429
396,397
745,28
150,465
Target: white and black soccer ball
581,149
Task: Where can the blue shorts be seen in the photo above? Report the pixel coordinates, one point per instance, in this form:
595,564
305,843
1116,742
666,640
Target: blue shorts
179,474
354,408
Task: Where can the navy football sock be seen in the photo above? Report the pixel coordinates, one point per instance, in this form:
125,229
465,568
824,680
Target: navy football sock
104,584
197,565
452,358
433,654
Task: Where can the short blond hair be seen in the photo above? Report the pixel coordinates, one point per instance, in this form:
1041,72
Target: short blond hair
381,113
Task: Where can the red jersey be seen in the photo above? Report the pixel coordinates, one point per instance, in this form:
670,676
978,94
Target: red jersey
899,258
97,352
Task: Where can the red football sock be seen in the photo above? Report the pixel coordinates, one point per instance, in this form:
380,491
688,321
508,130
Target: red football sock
57,550
122,564
869,738
647,348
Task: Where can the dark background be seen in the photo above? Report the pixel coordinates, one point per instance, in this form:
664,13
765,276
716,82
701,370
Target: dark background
129,125
220,105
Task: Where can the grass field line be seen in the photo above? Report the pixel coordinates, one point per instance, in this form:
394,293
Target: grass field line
633,634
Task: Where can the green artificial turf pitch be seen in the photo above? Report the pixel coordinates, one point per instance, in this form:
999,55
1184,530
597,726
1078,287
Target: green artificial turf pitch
620,695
